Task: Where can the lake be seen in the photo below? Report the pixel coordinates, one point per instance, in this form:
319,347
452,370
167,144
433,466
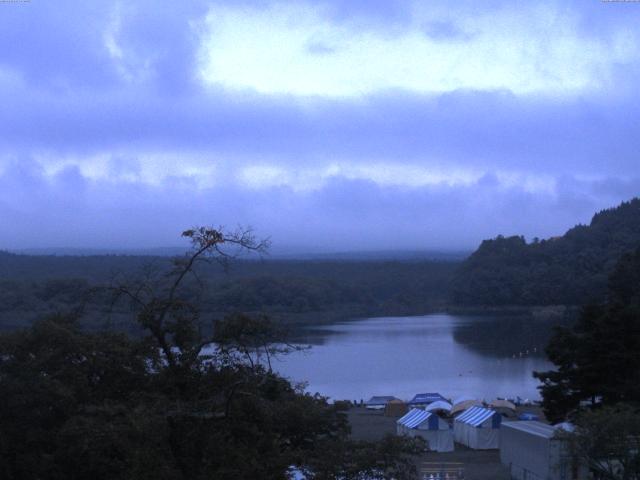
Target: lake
454,355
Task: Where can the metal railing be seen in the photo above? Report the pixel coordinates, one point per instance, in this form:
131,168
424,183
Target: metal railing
442,471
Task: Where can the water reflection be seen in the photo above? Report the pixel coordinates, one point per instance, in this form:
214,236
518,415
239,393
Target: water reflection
504,336
405,355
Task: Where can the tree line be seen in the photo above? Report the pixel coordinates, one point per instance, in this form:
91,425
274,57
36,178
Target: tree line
567,270
293,291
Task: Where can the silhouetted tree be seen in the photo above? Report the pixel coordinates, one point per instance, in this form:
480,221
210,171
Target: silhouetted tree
597,359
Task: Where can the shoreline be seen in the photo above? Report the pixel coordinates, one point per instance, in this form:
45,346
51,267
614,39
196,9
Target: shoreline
544,313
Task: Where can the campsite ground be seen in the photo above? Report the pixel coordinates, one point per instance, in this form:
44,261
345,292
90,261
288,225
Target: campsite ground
476,464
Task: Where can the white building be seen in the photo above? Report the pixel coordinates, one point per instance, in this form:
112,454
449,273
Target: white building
533,451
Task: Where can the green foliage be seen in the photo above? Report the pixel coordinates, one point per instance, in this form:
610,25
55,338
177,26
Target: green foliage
391,458
597,359
80,405
607,440
569,270
55,380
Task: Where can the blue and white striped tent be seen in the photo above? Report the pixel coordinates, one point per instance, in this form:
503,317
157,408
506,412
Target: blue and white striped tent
478,428
418,417
434,430
476,416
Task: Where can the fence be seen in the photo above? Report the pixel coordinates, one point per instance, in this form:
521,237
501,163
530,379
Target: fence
441,471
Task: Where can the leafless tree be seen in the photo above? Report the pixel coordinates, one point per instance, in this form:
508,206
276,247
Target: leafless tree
156,298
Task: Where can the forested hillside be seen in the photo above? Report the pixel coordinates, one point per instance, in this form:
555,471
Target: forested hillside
571,269
293,291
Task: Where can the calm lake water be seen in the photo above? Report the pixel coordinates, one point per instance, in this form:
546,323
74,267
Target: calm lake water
454,355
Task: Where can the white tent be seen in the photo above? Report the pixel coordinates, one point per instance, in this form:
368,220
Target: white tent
478,428
439,405
434,430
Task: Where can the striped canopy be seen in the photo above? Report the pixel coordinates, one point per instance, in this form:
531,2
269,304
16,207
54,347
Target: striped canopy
476,416
414,418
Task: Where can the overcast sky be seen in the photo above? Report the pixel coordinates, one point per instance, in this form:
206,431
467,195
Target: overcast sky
336,125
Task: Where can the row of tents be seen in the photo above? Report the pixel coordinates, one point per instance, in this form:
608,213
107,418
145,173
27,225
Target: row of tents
477,428
530,449
434,402
420,399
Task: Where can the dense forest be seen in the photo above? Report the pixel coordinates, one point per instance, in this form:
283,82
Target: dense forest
569,270
293,291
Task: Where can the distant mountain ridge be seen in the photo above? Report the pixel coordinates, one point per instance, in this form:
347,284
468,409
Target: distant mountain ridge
571,269
93,252
277,254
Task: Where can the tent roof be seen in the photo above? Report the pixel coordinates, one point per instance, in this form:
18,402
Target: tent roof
476,416
460,406
538,428
426,398
439,405
533,427
414,418
381,400
465,398
502,404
